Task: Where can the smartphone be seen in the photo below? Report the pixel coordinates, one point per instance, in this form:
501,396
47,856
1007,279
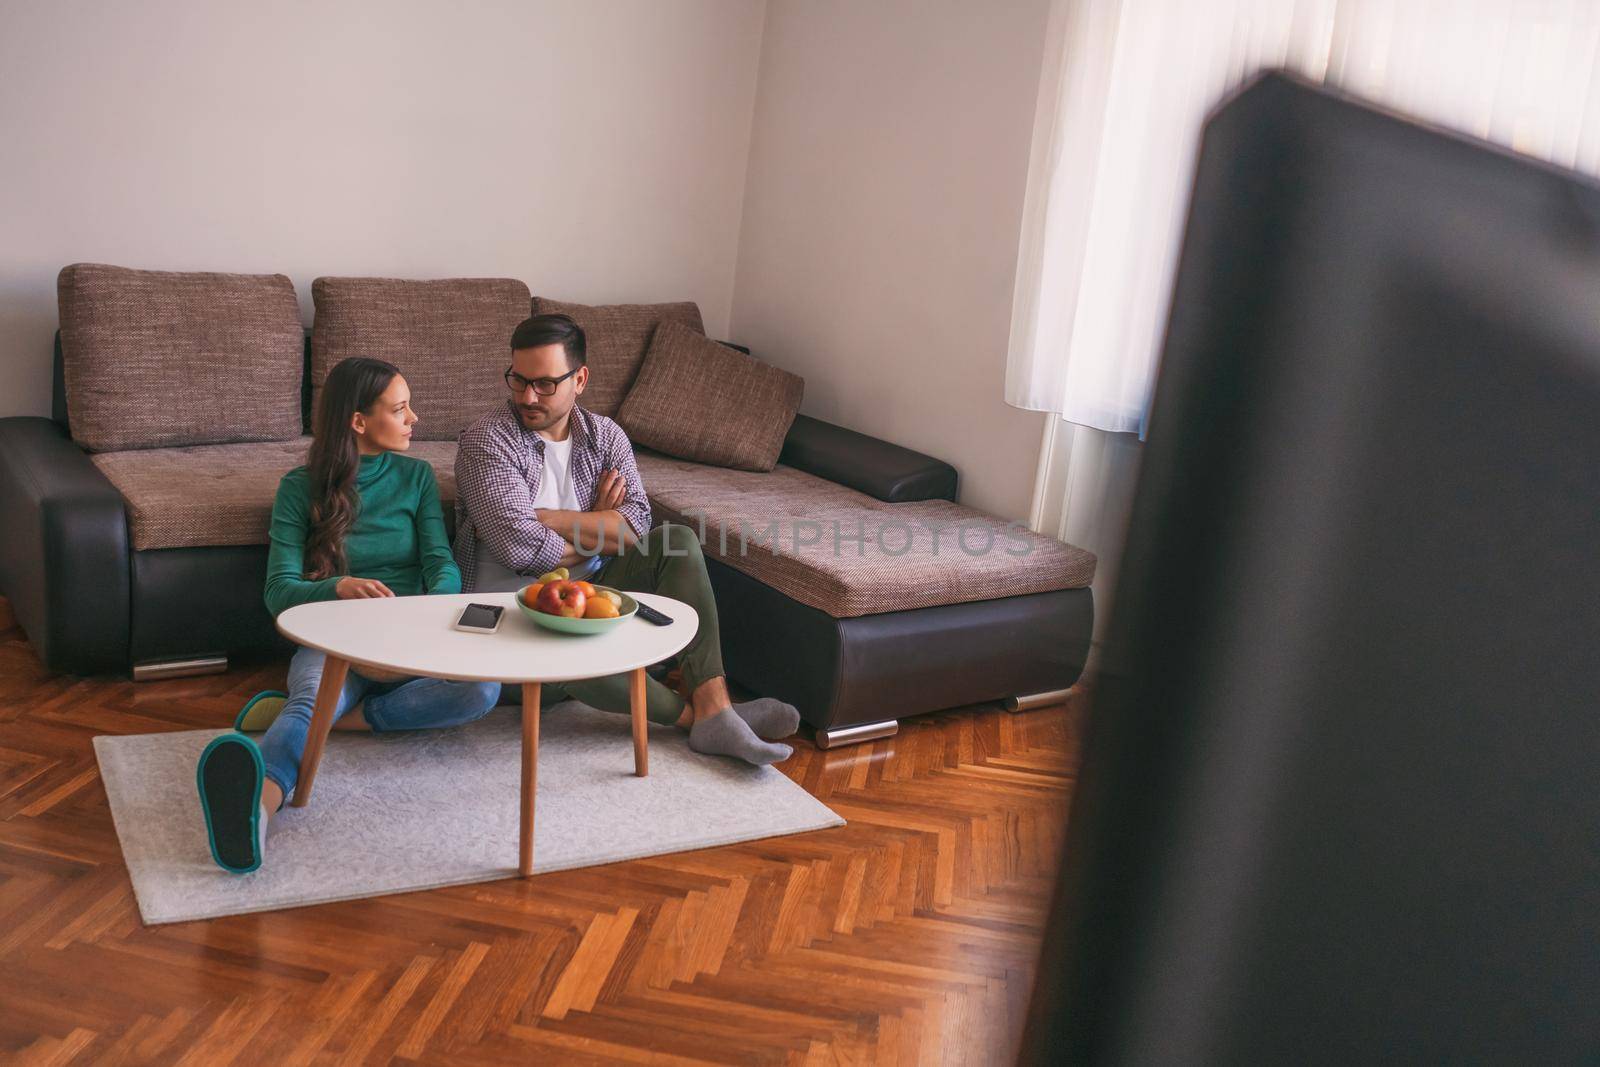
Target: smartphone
480,618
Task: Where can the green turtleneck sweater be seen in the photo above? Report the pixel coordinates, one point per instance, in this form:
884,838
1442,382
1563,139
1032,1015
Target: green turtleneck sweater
397,537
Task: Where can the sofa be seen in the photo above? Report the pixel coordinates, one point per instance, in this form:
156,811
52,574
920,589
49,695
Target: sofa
133,520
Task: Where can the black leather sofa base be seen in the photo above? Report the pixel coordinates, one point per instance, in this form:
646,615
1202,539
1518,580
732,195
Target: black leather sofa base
91,605
63,549
194,602
878,668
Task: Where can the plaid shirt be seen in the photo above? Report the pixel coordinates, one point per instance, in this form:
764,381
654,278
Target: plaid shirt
498,466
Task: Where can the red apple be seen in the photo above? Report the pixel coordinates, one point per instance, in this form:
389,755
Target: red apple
562,598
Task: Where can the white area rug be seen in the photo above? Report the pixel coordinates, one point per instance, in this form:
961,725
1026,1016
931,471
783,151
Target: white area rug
399,812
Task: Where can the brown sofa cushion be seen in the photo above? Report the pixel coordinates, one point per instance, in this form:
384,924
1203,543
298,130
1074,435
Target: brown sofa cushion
888,556
618,336
700,400
451,339
222,494
154,358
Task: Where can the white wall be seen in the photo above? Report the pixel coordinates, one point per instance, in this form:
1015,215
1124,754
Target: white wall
882,210
595,151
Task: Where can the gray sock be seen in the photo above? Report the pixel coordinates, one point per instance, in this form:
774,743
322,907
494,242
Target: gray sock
261,833
729,735
769,717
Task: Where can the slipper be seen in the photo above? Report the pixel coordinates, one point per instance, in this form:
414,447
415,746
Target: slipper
229,777
260,711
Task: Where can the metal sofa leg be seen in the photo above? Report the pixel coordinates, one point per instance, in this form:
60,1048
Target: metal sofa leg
851,735
1030,701
156,670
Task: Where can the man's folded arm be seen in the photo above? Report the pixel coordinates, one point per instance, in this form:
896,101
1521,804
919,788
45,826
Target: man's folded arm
635,506
497,497
612,531
604,533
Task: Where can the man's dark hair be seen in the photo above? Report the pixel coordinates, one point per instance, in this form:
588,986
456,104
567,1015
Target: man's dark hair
553,330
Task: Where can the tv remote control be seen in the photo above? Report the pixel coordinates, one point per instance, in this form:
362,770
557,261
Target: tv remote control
650,614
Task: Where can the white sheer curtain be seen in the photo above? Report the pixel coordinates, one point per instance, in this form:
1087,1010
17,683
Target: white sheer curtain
1125,87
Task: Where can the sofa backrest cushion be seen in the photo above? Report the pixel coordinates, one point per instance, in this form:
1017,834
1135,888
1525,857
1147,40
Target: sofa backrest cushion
451,339
152,358
617,336
697,399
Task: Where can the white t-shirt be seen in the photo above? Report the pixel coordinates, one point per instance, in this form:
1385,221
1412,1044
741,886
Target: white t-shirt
555,484
556,491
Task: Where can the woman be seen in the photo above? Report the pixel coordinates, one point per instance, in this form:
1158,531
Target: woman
358,520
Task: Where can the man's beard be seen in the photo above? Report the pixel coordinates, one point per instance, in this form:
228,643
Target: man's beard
541,420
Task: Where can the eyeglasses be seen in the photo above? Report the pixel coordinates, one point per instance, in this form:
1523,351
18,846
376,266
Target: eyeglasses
541,386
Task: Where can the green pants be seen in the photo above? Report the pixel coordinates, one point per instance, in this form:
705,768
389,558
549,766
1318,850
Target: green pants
667,561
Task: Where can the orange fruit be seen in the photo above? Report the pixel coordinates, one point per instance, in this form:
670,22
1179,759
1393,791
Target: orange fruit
600,608
588,590
531,594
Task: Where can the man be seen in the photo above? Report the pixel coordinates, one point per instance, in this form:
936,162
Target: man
542,476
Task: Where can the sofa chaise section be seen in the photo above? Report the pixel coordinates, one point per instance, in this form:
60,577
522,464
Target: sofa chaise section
860,610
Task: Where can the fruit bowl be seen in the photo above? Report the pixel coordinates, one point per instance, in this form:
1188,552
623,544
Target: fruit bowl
566,625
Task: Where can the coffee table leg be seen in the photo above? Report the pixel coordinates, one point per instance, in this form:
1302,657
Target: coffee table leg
641,751
333,675
530,772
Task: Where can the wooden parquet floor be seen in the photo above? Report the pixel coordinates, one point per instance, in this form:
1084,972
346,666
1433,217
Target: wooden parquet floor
907,936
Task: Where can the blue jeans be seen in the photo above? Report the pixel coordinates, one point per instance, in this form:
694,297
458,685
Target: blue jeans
415,704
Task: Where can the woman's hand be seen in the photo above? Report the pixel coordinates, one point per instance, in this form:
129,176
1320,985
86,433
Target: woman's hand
361,589
612,492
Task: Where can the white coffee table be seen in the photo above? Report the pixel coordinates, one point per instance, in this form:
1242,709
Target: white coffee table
415,635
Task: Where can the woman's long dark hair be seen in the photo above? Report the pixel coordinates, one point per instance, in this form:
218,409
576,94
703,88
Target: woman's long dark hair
354,385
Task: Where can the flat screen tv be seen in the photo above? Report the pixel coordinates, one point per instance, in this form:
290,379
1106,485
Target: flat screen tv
1340,800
